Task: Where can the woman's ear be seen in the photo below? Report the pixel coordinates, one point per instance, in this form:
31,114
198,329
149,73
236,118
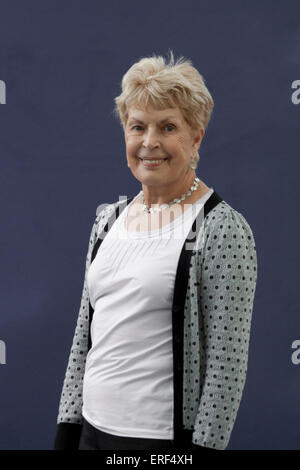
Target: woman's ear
197,138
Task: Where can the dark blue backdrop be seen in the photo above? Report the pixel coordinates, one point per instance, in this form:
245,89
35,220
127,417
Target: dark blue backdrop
62,154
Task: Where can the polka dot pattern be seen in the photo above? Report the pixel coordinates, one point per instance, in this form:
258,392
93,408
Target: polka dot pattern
218,310
217,319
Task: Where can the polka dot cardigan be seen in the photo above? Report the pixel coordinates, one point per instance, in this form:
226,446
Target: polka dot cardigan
212,309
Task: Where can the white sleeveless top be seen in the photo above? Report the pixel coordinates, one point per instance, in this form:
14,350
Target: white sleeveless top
128,381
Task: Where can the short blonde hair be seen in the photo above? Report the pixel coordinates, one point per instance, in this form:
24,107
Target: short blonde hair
166,85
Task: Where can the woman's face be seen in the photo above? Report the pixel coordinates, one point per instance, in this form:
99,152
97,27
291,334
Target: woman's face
159,134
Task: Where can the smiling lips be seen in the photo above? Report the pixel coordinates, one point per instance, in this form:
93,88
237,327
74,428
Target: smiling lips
151,163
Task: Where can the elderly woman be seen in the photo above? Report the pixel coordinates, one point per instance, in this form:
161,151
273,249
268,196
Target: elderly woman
160,351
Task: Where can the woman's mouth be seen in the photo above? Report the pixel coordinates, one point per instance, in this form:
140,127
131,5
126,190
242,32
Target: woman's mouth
152,163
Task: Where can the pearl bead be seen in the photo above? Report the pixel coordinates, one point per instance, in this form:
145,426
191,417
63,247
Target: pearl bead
175,200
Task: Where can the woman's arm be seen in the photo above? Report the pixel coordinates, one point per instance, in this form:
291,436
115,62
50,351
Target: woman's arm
69,420
227,288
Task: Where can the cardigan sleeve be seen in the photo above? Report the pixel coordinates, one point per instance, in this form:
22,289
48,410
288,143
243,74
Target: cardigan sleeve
226,295
70,420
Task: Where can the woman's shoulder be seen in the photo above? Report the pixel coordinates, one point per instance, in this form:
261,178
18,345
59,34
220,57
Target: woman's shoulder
223,217
228,242
103,213
105,209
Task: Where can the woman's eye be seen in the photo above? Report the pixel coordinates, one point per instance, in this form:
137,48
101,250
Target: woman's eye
165,127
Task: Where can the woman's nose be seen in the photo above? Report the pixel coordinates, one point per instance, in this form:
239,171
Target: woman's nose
151,138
